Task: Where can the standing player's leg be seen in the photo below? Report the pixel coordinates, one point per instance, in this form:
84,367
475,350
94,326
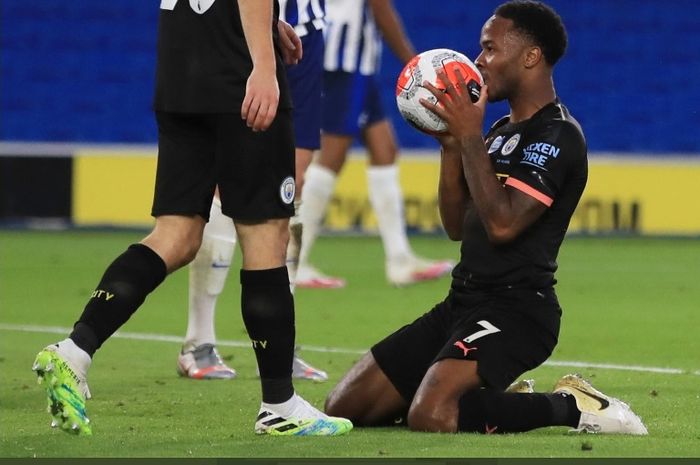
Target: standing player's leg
342,105
257,190
402,266
301,369
184,188
317,182
199,358
320,184
305,84
268,314
302,160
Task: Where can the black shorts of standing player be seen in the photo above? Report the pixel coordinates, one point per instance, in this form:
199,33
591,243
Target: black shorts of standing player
254,170
507,331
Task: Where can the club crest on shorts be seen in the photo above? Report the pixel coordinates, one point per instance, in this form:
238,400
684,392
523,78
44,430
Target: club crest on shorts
287,190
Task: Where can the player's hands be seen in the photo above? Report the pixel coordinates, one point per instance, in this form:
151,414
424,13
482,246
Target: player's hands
262,95
449,143
291,43
455,107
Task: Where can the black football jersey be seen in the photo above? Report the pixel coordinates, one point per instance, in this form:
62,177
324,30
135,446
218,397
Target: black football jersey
203,59
546,158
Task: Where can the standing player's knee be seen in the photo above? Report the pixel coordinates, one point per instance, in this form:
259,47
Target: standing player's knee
264,244
278,252
185,244
176,239
180,253
190,250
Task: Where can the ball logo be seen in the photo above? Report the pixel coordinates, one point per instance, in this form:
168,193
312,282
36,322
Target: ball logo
288,190
511,144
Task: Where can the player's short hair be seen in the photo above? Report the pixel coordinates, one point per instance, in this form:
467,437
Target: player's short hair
538,22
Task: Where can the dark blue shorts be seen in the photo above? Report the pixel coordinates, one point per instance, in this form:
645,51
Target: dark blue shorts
351,102
306,83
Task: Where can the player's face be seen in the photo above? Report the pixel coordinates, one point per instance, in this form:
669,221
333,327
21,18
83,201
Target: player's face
500,58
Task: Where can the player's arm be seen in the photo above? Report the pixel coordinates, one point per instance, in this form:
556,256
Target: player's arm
290,43
390,25
453,192
262,90
505,211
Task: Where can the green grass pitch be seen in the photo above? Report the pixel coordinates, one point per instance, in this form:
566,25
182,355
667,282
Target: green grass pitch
630,324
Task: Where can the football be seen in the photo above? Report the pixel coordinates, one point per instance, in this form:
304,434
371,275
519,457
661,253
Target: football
424,67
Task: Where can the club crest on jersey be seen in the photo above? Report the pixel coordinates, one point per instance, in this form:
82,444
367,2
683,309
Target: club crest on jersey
287,190
511,144
496,144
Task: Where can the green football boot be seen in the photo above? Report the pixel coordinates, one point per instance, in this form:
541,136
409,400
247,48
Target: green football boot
66,392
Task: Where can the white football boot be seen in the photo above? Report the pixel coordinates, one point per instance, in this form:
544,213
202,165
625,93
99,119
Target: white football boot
600,413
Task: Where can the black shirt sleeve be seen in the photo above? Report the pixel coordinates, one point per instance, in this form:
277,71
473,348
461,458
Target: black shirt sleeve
546,156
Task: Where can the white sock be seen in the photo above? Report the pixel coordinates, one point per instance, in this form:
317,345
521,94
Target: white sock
208,272
79,359
295,407
318,189
294,245
387,202
285,408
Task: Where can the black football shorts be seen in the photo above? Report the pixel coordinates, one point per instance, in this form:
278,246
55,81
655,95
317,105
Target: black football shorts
254,170
507,332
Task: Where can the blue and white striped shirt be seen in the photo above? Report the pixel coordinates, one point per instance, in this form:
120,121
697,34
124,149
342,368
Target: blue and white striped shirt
353,43
304,15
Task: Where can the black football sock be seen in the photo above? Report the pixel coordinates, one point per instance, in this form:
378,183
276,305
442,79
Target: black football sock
123,288
268,313
565,412
491,411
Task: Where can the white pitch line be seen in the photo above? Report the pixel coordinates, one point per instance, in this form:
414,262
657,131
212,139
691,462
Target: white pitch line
613,366
338,350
